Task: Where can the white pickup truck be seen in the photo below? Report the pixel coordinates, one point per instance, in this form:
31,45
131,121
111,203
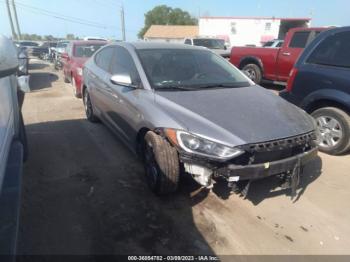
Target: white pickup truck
12,144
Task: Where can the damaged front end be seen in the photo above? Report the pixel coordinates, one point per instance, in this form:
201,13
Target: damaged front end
284,158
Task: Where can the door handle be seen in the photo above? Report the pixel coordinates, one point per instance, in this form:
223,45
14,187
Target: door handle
286,54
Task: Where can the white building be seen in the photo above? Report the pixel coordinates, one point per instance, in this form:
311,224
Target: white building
242,31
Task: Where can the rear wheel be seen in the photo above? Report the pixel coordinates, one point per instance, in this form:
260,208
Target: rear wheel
66,80
161,164
253,72
75,91
89,108
333,130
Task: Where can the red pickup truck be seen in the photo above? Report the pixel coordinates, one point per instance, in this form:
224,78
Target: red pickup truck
273,64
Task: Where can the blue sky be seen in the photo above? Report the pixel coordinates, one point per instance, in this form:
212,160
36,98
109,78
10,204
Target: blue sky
106,13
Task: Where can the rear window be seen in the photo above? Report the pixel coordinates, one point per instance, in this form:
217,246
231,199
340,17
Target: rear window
333,51
86,50
299,39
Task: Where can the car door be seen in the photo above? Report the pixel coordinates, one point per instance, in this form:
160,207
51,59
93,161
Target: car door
98,75
7,120
289,54
123,111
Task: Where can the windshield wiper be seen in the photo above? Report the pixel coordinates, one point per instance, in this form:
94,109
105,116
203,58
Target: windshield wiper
225,85
174,87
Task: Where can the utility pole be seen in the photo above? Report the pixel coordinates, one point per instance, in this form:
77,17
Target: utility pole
10,18
123,22
16,19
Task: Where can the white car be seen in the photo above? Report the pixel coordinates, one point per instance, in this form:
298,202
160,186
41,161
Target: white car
12,144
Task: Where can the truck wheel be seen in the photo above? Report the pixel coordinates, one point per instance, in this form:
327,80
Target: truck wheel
161,164
89,111
253,72
333,130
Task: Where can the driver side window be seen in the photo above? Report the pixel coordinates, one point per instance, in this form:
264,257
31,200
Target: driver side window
123,63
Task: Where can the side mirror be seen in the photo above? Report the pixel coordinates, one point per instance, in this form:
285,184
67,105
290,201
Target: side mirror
122,80
23,83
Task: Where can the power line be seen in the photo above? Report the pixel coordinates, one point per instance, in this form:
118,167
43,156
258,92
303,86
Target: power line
62,17
58,15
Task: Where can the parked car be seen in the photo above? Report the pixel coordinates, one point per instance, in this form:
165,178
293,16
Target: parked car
23,61
215,44
77,53
43,50
186,108
12,146
29,46
273,64
60,48
320,84
274,43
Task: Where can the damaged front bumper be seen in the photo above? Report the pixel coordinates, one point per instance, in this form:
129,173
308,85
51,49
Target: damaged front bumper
203,171
237,172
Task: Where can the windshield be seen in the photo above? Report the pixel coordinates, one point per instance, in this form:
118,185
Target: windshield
188,68
267,44
210,43
28,44
86,50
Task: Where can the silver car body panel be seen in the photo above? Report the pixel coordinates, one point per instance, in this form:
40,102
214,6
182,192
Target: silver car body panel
233,116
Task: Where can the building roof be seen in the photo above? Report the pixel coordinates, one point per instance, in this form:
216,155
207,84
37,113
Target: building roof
172,31
258,18
159,45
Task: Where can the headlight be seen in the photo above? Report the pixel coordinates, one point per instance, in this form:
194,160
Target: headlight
201,146
79,71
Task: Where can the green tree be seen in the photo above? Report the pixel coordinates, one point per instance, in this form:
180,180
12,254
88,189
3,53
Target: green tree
70,37
165,15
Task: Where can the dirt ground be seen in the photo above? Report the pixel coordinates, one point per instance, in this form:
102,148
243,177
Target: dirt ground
85,193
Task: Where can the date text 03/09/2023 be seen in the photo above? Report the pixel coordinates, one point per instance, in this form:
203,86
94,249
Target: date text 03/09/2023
173,258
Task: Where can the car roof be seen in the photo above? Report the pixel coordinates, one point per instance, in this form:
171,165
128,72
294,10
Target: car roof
154,45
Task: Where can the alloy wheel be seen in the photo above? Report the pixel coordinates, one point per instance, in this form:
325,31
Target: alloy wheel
330,131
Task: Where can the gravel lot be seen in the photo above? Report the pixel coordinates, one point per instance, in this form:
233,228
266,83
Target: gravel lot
84,193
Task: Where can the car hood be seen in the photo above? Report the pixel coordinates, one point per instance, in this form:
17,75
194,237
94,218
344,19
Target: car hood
235,116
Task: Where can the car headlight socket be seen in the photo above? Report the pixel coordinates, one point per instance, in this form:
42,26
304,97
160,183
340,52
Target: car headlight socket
198,145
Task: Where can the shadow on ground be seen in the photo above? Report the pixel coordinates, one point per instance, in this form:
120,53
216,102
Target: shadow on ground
41,80
85,193
37,66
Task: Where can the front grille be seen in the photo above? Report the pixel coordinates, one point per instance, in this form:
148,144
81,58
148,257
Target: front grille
276,150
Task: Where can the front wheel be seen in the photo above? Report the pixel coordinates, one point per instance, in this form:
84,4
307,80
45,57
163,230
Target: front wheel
89,111
253,72
161,164
333,127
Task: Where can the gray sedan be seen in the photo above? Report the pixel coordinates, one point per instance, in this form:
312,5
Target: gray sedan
186,110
